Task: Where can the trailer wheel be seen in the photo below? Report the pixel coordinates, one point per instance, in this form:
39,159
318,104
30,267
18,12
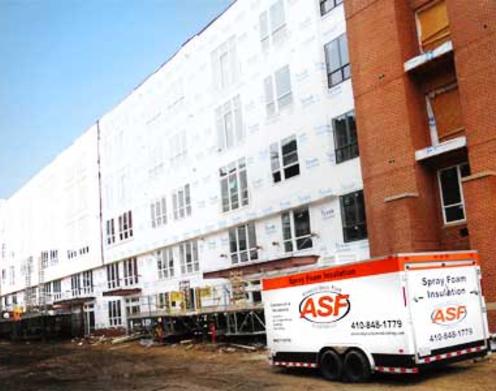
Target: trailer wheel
331,365
356,366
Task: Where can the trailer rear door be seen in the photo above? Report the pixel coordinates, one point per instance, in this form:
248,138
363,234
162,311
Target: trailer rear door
446,305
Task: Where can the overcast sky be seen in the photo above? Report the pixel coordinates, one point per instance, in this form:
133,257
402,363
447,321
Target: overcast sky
64,63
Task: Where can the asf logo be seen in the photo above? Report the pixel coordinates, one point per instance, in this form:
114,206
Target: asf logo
324,307
449,315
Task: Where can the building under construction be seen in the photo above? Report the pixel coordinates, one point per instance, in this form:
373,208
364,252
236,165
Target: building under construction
240,157
236,158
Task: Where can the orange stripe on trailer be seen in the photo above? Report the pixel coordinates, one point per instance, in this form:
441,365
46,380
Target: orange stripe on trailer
374,267
439,257
441,267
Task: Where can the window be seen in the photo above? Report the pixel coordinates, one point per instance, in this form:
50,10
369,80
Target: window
224,64
178,147
284,163
353,216
4,276
110,231
130,271
114,311
243,243
57,289
277,89
87,278
327,5
272,24
433,25
345,137
44,259
47,292
113,280
181,202
452,201
11,275
296,230
188,255
234,185
132,306
165,263
75,285
163,302
337,61
445,114
54,257
229,123
158,211
125,226
4,250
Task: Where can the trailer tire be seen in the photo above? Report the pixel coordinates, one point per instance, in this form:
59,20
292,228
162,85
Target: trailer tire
331,365
356,366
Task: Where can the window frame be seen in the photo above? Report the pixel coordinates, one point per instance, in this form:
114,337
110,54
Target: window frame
193,265
274,101
229,138
278,168
132,305
359,222
110,231
181,202
87,281
76,285
115,312
113,278
292,243
351,148
335,4
158,212
178,147
165,263
269,32
125,225
130,271
344,69
461,203
236,254
236,174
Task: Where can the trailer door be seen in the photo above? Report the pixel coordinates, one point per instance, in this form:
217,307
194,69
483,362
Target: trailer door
446,306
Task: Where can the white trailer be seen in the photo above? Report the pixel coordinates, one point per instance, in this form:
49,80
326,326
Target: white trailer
395,314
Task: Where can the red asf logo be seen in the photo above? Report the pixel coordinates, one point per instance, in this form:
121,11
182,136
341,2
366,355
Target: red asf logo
448,315
324,307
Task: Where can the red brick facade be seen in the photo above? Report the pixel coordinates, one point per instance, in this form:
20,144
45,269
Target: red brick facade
402,194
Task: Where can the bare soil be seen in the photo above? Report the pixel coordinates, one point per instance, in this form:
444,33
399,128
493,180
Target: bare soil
67,366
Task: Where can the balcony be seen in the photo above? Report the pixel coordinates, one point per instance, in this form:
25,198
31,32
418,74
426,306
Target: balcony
77,296
126,286
430,58
442,148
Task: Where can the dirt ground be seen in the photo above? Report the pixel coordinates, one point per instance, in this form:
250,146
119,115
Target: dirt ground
67,366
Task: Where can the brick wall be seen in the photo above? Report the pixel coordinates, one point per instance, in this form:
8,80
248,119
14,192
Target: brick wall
402,195
473,31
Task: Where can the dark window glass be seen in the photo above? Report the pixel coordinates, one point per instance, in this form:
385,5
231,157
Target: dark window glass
353,216
345,137
450,188
451,192
327,5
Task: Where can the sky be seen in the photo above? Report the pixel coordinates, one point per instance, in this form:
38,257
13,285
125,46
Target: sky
64,63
